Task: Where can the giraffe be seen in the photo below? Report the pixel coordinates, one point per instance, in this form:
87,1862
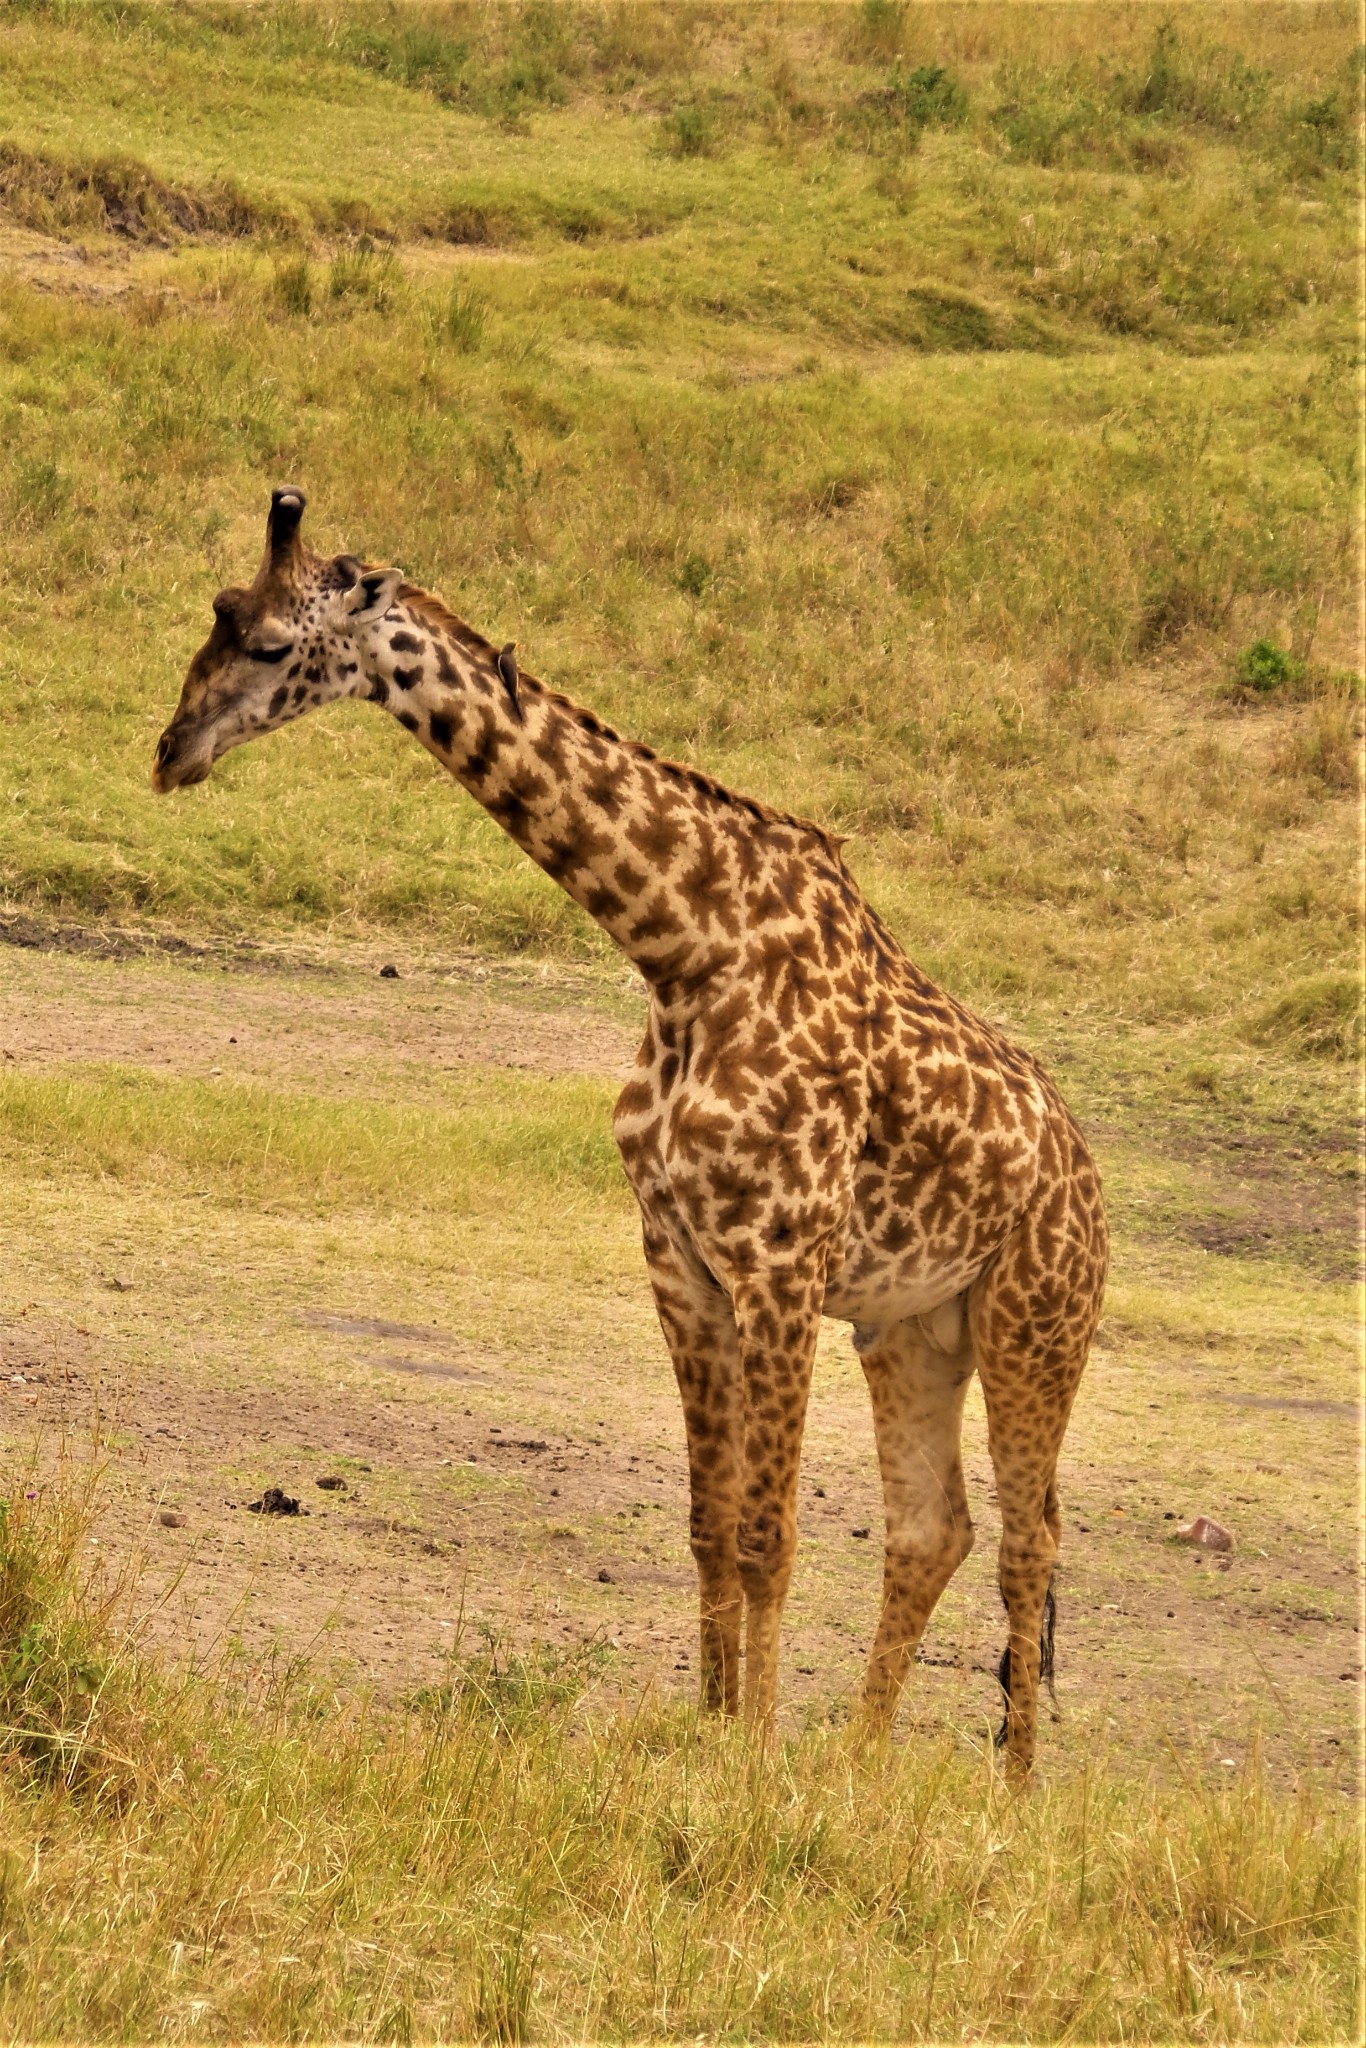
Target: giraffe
811,1127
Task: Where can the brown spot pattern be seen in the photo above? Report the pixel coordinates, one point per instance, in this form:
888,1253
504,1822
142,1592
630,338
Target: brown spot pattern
812,1128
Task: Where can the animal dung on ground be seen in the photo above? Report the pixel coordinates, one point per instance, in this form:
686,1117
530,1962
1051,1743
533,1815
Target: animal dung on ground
605,1577
388,972
1205,1534
275,1501
860,1533
169,1519
331,1482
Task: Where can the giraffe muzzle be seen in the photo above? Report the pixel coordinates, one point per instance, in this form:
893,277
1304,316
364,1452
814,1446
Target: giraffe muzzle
174,768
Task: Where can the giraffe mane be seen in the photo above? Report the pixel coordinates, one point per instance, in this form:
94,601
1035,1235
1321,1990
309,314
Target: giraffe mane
438,614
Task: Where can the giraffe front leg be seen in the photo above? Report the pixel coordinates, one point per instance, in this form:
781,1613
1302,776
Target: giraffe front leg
779,1321
917,1394
699,1329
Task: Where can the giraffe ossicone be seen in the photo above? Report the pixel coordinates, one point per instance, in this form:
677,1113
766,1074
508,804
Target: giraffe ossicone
812,1127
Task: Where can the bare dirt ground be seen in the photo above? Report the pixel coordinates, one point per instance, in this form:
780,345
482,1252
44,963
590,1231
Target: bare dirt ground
247,1012
483,1490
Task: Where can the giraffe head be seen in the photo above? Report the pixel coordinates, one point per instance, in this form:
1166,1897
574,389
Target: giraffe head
290,642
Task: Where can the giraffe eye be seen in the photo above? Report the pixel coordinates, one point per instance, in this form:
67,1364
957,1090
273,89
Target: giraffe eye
271,653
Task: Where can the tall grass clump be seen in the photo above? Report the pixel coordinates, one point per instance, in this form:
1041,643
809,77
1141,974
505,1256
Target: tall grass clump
460,319
509,1856
1319,1017
293,286
65,1693
365,275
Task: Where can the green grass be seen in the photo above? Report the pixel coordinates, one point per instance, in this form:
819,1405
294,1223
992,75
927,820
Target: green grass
498,1860
897,463
537,1138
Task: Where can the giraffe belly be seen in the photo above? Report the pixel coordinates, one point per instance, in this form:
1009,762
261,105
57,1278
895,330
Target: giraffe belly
876,1294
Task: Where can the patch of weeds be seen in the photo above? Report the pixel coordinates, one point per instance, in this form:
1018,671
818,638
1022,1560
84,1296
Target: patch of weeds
1050,120
1190,575
1215,87
897,187
931,96
574,219
1089,114
1319,1017
39,494
292,286
893,117
504,1980
412,54
1202,1079
1319,135
836,491
694,574
60,1691
469,226
460,319
366,276
512,1688
879,28
1324,745
688,131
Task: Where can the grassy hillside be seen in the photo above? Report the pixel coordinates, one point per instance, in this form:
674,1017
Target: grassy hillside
921,416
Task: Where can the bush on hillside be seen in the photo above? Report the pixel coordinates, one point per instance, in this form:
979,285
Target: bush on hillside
1265,666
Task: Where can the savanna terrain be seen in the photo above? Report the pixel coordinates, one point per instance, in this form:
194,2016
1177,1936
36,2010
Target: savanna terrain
941,421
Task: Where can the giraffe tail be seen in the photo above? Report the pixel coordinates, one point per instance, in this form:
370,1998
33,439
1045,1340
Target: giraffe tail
1047,1635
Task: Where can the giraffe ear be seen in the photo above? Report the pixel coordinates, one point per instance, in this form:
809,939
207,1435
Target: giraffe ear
366,594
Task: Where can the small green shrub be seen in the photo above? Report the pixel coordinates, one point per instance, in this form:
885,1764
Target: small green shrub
930,96
688,132
1264,667
694,574
1322,133
895,116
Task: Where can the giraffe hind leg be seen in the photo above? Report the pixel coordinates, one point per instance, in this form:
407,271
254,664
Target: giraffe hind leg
1046,1664
918,1390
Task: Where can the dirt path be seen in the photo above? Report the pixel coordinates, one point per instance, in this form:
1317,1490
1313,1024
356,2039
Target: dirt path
338,1027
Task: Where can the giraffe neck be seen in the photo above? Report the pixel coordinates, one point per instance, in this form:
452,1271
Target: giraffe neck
664,859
